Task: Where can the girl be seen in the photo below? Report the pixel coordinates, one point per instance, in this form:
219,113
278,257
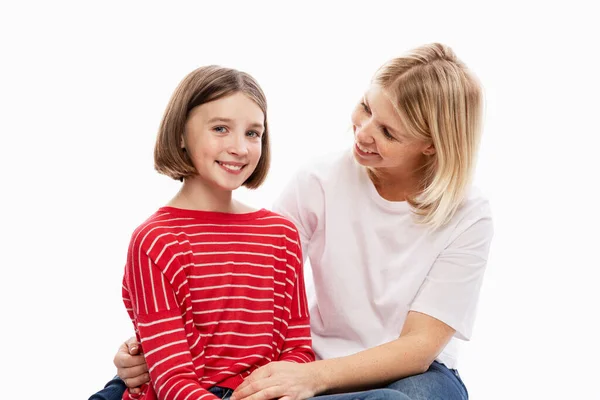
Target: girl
397,241
214,288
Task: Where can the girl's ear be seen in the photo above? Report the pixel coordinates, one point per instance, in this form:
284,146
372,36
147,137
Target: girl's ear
182,144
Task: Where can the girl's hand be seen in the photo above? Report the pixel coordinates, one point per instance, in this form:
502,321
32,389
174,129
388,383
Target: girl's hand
131,365
280,380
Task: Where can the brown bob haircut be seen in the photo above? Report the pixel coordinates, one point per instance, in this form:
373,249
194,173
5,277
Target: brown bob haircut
201,86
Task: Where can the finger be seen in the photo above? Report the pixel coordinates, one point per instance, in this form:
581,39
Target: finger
272,392
137,381
251,387
127,361
133,346
257,374
132,372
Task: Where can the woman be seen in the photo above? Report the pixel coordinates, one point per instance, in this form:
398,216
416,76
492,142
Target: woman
397,242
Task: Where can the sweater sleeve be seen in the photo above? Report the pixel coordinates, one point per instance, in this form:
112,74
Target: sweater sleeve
297,345
157,318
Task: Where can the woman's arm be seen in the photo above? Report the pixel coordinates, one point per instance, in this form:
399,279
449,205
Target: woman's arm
422,339
131,365
443,307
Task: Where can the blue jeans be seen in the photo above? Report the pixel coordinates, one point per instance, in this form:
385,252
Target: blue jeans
437,383
116,387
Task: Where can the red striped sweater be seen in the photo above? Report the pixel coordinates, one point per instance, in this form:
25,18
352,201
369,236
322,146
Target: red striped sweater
213,296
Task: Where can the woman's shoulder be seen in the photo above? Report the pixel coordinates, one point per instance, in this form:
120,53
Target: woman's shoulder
475,204
473,215
326,168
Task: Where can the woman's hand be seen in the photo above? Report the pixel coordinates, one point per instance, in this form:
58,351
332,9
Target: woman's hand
131,365
280,380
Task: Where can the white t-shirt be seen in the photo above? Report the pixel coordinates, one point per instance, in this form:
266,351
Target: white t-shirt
371,263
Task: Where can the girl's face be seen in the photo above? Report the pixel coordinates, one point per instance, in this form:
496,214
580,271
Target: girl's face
380,138
223,140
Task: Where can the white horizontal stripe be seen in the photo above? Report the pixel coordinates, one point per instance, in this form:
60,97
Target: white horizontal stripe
238,347
156,364
232,298
242,334
297,347
160,321
164,346
237,358
236,321
220,275
232,309
299,327
145,339
231,286
241,243
246,253
245,234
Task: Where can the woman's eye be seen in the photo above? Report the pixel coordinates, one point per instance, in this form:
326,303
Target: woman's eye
365,108
220,129
387,133
253,134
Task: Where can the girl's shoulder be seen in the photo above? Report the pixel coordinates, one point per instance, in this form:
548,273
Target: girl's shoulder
158,227
277,221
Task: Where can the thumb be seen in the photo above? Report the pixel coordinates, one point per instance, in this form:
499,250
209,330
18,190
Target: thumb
133,346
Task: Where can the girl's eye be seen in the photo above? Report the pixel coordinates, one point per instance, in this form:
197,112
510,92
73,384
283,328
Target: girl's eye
253,134
220,129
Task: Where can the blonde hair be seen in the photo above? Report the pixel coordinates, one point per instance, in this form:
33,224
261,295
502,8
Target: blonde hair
439,101
201,86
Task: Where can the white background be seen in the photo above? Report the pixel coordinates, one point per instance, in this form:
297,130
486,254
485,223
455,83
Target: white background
83,88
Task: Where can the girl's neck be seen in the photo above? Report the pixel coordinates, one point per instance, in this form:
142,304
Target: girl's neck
198,195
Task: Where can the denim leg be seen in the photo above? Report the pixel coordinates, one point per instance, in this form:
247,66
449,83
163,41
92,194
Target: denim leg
437,383
374,394
112,391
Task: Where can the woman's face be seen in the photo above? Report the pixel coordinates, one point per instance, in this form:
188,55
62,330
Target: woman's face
381,141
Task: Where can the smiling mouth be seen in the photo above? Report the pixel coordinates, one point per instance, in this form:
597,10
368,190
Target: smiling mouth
233,168
365,151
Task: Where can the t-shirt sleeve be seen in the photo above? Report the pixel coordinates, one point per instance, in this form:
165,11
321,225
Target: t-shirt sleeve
451,290
302,202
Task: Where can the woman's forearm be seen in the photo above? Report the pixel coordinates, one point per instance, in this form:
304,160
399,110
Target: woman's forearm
408,355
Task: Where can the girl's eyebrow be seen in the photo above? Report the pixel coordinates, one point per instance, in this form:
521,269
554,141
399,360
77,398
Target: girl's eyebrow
220,119
255,125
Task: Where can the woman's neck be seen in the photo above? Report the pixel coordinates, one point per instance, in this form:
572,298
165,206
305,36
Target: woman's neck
393,186
198,195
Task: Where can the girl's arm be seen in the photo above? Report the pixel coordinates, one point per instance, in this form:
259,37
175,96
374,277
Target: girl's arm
297,346
154,310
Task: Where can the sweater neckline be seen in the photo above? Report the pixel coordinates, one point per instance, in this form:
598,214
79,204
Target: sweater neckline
214,215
